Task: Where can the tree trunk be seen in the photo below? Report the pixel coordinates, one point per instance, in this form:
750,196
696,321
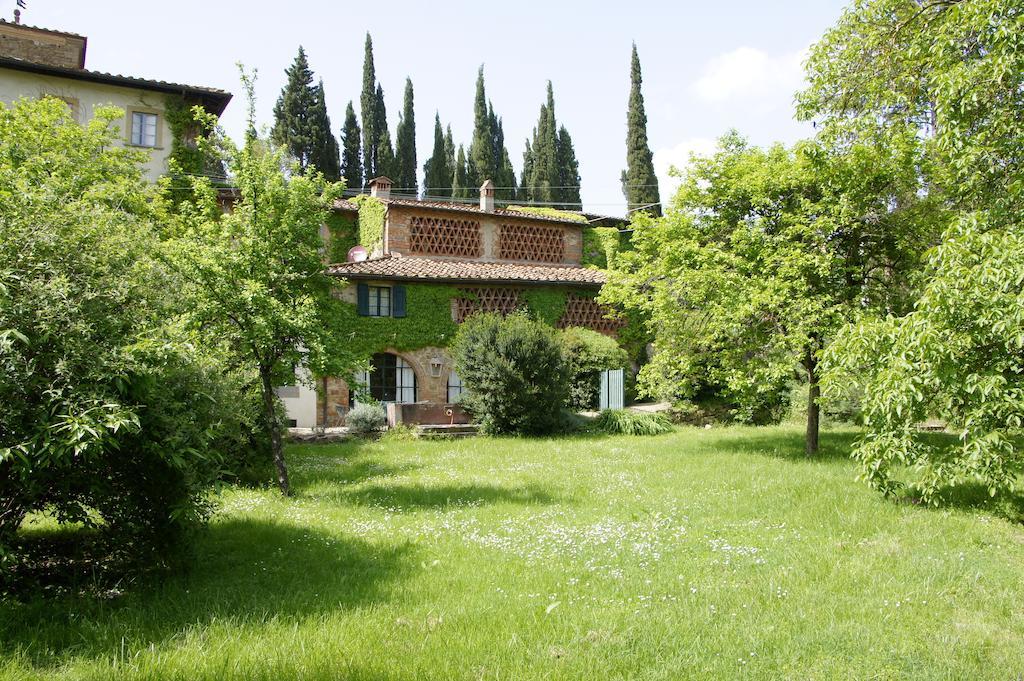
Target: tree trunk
813,410
273,427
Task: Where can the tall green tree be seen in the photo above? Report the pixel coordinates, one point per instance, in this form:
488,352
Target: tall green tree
385,160
461,188
351,158
253,278
301,124
766,254
639,182
405,145
952,74
368,110
437,172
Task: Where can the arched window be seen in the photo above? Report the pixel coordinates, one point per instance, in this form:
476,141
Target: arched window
455,387
391,379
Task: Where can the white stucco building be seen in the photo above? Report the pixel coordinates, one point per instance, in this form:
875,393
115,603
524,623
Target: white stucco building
38,62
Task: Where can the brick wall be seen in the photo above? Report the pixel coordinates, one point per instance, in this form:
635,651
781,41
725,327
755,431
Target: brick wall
41,46
398,228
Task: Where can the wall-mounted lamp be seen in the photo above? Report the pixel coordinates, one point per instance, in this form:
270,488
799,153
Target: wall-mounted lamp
436,365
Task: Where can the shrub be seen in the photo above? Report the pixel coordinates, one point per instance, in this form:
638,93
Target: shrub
366,418
513,373
625,422
585,354
110,415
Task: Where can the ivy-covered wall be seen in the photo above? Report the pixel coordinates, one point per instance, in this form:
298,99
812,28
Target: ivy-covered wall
428,321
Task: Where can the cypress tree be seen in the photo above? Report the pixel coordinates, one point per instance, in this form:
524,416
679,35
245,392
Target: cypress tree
351,160
405,145
525,192
449,152
460,181
301,124
324,154
368,106
384,162
504,174
481,164
568,179
639,183
437,172
538,185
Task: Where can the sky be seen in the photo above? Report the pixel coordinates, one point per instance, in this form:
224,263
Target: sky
707,66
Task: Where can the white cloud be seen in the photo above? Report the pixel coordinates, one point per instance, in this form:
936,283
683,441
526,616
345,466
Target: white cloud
747,74
678,157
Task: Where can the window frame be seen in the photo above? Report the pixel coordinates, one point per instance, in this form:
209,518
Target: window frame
456,385
130,114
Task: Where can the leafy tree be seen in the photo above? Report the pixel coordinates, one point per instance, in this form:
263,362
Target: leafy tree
952,73
764,256
301,124
368,105
253,278
437,172
513,372
385,160
351,161
405,145
108,415
639,183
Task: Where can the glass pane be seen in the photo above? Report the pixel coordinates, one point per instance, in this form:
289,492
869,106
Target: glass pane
136,128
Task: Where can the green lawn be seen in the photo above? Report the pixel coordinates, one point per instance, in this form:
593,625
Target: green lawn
703,554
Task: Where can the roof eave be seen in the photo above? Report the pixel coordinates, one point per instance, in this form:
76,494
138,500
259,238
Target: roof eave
218,100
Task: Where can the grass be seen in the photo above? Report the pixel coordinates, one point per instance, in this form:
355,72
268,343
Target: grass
698,554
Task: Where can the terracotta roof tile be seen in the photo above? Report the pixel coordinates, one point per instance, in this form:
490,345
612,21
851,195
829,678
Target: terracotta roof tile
429,269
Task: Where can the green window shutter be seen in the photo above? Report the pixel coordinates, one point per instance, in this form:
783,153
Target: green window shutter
398,301
363,299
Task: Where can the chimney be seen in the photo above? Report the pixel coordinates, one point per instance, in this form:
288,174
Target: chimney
380,187
487,196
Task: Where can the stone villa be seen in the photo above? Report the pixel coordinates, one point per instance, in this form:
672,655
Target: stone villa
429,266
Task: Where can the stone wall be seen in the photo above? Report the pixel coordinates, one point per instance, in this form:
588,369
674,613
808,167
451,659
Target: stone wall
42,47
398,226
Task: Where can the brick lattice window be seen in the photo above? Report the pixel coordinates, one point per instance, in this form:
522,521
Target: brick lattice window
588,313
444,236
531,242
486,299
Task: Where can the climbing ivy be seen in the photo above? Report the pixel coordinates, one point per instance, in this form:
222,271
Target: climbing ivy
186,157
372,212
546,304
